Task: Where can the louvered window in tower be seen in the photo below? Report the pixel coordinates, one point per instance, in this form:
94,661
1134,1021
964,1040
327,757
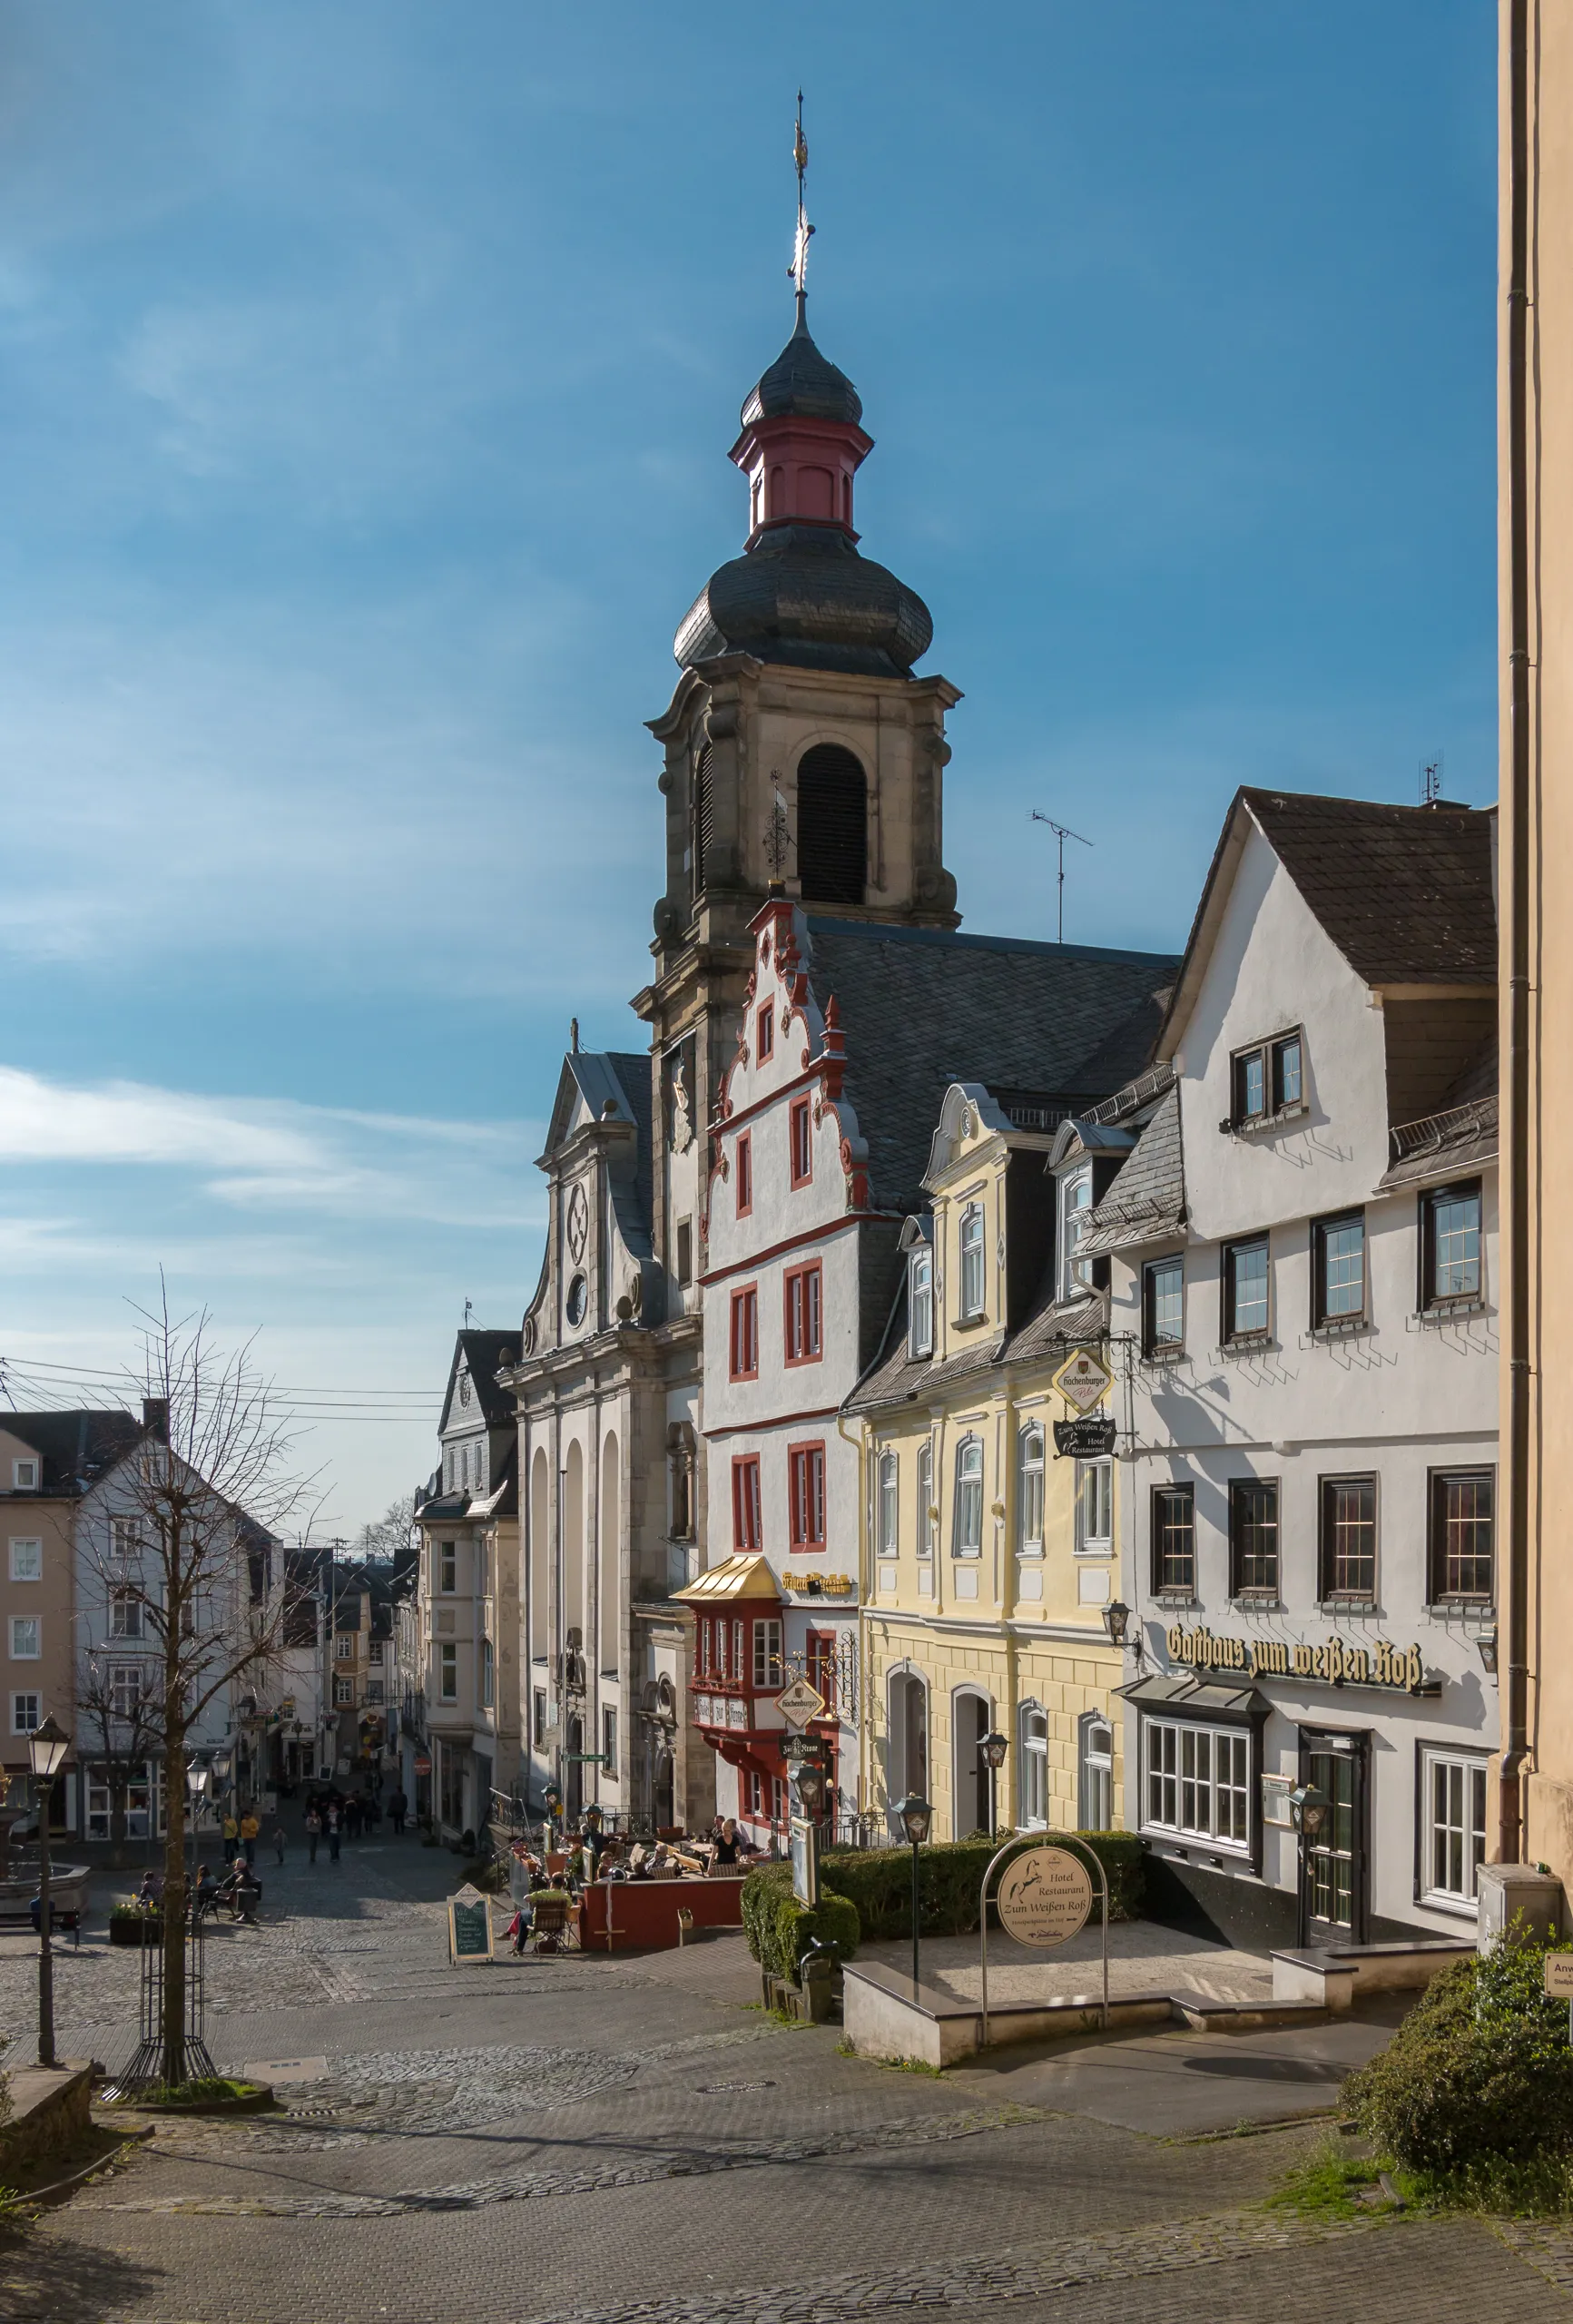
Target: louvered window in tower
833,826
701,823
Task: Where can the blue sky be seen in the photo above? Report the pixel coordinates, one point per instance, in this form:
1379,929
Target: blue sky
367,373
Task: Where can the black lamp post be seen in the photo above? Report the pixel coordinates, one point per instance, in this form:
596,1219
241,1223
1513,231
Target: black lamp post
810,1784
992,1748
916,1817
197,1780
46,1748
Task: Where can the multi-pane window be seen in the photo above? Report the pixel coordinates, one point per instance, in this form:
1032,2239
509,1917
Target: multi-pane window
744,1175
488,1677
925,1499
1029,1490
1450,1266
1164,1306
806,1486
1267,1079
344,1689
800,1134
1196,1780
27,1560
1095,1507
744,1341
1175,1539
1245,1301
803,1294
125,1614
26,1713
920,1303
343,1647
125,1689
888,1509
1095,1774
1454,1826
1349,1537
447,1656
374,1652
448,1568
967,1532
1338,1269
609,1737
1254,1537
767,1654
538,1717
972,1260
747,1516
25,1638
1075,1219
125,1538
1462,1529
1034,1766
25,1476
819,1666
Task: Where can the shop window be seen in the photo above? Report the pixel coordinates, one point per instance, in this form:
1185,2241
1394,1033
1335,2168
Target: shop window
1462,1535
1175,1540
1454,1833
1254,1537
1196,1781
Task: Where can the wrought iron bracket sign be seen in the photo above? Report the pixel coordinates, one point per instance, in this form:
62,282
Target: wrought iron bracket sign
1091,1439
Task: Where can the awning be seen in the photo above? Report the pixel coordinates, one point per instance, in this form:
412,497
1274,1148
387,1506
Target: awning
745,1574
1190,1697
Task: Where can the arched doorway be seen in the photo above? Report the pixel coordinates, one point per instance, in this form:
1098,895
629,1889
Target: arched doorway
833,826
971,1718
907,1766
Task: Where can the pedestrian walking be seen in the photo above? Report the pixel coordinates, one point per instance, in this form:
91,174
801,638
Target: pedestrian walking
231,1837
279,1842
352,1818
398,1808
313,1834
250,1828
334,1835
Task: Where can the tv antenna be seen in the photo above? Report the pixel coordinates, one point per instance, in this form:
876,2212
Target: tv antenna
1431,780
1062,832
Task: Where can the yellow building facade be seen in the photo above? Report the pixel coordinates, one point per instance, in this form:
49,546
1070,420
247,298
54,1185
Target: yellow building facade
988,1564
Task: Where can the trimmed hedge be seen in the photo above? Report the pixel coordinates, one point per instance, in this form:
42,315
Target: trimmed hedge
878,1881
778,1928
1479,2075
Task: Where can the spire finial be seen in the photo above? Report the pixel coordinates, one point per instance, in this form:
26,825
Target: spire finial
799,269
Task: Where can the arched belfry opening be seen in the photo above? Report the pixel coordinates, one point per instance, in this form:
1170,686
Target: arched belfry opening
833,825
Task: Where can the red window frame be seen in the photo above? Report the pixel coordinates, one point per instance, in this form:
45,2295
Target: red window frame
744,1173
764,1044
801,1142
819,1665
747,1509
803,1310
743,1333
806,1496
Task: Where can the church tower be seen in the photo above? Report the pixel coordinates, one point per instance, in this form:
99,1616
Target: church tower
800,748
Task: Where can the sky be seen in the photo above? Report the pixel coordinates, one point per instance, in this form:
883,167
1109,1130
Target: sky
366,374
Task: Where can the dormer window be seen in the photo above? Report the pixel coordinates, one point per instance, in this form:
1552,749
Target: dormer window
920,1303
1075,1219
25,1476
972,1262
1267,1080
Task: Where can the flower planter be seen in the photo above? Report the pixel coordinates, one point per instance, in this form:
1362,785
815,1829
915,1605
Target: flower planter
124,1930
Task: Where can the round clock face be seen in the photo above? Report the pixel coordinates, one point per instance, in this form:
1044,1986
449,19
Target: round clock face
578,1300
578,1223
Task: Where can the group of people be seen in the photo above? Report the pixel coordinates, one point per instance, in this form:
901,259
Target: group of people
239,1889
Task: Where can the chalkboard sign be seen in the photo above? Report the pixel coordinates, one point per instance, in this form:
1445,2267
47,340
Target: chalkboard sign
469,1926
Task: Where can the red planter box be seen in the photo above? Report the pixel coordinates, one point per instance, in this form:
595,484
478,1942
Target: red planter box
643,1912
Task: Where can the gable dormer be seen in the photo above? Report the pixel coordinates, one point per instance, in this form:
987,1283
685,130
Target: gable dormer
599,1273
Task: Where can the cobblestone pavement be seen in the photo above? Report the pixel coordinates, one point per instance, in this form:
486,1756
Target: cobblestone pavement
624,2143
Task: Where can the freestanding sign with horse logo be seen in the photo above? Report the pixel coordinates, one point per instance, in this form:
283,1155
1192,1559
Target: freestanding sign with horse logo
1044,1897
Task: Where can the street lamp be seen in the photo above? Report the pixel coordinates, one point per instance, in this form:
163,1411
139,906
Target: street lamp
992,1748
1117,1621
196,1784
1308,1810
811,1783
916,1816
46,1748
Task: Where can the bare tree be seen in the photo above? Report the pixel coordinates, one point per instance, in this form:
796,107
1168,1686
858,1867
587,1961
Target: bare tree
121,1703
389,1533
194,1514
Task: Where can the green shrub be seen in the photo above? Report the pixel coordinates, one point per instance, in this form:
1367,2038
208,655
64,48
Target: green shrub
878,1881
779,1927
1478,2076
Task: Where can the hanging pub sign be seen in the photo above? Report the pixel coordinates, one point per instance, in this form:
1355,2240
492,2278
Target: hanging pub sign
1083,1380
1331,1664
1089,1439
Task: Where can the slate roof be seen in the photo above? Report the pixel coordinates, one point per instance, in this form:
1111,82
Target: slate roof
1147,1200
922,1008
1047,1328
74,1447
1404,892
483,1351
805,383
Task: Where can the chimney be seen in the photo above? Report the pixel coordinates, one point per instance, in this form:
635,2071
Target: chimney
155,1417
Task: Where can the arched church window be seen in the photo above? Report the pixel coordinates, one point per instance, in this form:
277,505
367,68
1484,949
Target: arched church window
833,825
680,1462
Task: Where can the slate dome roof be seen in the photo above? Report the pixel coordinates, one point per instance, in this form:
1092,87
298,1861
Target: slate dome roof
803,384
803,595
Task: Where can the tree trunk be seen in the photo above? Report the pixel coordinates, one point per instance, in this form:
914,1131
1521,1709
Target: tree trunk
119,1792
174,1927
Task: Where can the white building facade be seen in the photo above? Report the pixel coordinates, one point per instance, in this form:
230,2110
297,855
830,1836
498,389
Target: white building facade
1304,1279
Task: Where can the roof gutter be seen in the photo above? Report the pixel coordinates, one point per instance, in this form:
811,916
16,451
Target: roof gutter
1516,1731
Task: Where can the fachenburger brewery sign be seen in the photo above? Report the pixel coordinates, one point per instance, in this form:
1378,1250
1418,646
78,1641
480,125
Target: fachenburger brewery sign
1331,1664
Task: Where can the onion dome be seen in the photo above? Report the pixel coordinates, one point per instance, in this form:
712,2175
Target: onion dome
803,384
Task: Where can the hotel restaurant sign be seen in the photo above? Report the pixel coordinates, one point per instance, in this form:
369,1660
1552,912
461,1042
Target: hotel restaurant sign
1332,1664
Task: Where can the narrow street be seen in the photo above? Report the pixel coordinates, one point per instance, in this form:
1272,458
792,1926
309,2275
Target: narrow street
574,2139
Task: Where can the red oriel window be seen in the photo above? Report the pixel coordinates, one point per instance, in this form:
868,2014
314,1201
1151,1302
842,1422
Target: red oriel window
801,1332
806,1486
747,1514
744,1175
744,1343
766,1042
801,1130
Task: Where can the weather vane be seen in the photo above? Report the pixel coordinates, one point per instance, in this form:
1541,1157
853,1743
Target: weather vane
778,838
799,269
